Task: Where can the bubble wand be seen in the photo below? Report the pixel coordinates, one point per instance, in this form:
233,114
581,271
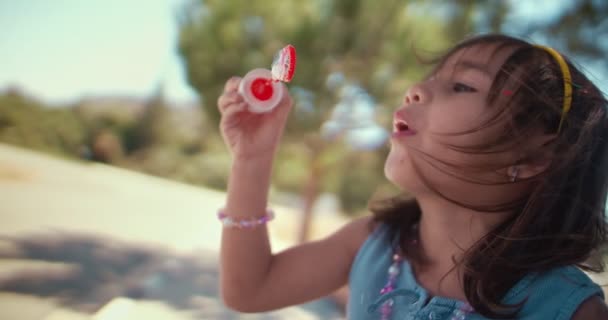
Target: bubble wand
261,88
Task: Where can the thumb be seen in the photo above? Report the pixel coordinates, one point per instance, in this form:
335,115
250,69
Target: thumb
285,105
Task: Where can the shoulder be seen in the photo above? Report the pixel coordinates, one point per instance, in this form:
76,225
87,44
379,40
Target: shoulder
354,233
556,294
593,308
358,231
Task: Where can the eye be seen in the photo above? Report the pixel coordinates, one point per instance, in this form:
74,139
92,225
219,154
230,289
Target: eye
460,87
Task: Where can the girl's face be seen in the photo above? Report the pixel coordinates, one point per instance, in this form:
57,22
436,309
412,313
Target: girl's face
441,109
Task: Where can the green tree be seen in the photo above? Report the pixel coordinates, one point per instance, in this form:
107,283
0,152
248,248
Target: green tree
367,41
572,26
28,123
155,127
374,44
576,28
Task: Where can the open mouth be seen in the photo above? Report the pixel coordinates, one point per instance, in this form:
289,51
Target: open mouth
400,127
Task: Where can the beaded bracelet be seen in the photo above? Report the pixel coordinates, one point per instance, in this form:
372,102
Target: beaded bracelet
245,223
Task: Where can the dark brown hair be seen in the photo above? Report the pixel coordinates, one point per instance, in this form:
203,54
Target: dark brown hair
561,220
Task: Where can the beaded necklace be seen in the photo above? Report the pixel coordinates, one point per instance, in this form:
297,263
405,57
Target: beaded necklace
393,271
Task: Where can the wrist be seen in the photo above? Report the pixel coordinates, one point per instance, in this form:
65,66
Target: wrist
248,185
256,163
233,221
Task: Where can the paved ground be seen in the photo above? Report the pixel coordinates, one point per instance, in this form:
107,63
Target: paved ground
75,235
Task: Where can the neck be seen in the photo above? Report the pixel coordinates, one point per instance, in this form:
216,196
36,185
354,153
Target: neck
447,230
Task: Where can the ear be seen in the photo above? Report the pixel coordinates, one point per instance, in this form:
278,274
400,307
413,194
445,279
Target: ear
537,157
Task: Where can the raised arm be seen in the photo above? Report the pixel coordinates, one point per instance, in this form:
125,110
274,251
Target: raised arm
252,278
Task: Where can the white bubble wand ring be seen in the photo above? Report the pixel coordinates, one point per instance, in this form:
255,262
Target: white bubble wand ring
261,88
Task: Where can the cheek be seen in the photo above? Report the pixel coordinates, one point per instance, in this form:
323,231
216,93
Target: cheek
456,115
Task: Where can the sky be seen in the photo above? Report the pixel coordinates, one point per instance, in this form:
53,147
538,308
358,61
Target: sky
62,50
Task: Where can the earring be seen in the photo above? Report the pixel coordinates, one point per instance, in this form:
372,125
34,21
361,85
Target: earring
514,172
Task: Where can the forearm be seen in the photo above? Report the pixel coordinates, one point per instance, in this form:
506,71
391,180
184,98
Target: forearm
246,253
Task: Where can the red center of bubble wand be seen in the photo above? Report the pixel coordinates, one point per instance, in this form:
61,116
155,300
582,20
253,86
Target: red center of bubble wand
261,88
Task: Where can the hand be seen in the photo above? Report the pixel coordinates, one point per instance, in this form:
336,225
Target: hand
251,135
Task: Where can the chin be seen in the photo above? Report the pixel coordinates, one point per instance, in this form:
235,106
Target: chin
399,171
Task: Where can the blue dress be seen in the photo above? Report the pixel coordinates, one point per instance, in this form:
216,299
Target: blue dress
555,294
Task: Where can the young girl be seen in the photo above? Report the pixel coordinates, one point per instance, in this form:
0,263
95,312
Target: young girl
503,147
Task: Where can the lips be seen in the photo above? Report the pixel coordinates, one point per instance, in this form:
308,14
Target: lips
401,127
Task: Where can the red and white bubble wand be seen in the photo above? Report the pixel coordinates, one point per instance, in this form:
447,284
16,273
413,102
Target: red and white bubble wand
261,88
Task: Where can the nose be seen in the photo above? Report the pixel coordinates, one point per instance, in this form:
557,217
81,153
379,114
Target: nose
417,94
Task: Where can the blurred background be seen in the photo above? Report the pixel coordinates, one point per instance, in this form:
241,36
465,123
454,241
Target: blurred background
112,166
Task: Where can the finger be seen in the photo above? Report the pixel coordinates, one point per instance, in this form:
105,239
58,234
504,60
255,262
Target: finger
286,99
231,113
232,84
227,99
285,106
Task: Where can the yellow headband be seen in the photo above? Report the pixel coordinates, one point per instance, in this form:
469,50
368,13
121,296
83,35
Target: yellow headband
567,81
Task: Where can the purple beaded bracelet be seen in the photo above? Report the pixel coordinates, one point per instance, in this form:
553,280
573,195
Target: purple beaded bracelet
246,223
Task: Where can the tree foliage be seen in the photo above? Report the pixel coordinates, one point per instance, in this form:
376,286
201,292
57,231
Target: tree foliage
155,126
373,44
370,42
29,123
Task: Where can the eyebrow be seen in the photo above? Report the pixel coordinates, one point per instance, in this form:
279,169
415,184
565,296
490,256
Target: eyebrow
464,64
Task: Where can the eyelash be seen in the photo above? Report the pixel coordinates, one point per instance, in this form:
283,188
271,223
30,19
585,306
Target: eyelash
458,86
